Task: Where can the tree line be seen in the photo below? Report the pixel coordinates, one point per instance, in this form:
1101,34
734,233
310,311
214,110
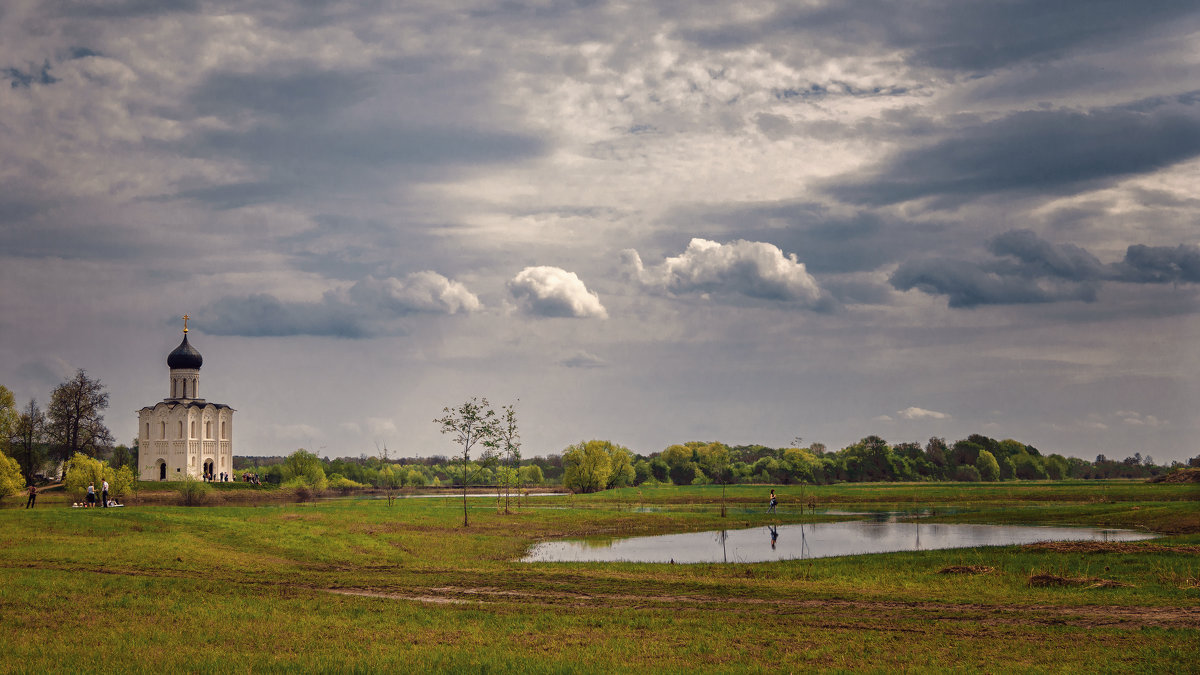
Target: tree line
595,465
72,426
37,441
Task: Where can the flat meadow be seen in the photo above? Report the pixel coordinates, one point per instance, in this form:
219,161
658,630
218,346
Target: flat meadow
358,585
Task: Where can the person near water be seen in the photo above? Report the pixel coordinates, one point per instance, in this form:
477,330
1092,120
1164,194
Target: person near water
91,495
32,497
773,502
774,535
104,493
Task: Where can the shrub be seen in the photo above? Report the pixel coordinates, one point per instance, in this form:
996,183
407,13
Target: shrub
193,492
11,480
967,473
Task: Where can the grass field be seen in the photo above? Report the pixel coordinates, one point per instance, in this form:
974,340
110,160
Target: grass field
357,585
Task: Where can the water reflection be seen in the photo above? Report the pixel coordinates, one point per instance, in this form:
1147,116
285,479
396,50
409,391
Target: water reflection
816,540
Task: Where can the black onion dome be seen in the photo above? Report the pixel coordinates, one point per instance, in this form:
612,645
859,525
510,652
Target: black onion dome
185,356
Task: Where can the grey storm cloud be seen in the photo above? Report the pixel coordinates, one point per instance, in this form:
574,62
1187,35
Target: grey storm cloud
307,129
961,36
1160,264
1041,258
1040,152
1029,269
364,310
968,284
553,292
121,9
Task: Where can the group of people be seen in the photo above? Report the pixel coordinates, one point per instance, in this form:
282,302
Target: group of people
90,500
222,477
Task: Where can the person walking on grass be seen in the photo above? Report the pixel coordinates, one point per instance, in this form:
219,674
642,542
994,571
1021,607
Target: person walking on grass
771,509
104,493
32,497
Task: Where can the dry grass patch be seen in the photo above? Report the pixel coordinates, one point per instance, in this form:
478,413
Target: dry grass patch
1109,547
967,569
1046,580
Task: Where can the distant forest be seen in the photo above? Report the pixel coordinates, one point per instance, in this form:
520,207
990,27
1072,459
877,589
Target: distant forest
597,465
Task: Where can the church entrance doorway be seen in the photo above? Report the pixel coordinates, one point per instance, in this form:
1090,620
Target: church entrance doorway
162,470
208,469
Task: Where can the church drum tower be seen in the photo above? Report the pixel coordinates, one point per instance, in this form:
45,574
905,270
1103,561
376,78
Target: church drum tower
184,434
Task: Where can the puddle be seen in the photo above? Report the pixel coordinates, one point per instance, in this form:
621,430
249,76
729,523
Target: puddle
817,540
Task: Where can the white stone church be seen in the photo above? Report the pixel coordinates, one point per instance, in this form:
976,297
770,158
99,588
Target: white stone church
183,433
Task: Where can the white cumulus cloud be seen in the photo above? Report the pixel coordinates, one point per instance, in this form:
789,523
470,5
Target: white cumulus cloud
752,268
555,292
915,413
425,291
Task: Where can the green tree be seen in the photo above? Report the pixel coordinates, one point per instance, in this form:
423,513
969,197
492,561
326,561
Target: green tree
388,480
621,472
937,454
471,423
28,439
586,466
1056,466
989,468
11,480
121,481
83,471
532,475
509,442
967,473
8,415
122,455
714,461
75,417
1027,467
304,469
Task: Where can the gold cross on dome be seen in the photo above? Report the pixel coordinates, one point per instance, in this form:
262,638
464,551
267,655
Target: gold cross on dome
185,320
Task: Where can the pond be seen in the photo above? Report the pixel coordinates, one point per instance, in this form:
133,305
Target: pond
817,540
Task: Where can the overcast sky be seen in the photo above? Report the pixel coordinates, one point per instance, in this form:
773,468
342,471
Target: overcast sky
643,222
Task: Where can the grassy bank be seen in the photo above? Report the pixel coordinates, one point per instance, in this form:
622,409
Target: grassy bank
358,585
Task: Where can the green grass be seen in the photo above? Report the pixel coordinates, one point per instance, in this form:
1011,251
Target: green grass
241,588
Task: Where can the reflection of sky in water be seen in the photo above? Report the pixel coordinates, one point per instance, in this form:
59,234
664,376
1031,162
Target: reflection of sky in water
818,540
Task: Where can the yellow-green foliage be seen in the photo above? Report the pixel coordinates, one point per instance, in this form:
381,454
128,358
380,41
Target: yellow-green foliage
340,482
83,471
11,480
586,466
120,482
303,469
532,475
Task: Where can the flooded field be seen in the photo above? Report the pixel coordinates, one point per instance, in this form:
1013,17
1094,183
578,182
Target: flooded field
817,540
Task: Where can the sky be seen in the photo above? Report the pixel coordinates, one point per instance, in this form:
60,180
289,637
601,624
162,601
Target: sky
649,222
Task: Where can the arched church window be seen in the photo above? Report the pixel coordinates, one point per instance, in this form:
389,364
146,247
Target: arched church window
208,430
185,388
181,428
147,430
192,428
162,430
223,436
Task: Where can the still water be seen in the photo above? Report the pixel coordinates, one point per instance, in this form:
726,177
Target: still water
817,540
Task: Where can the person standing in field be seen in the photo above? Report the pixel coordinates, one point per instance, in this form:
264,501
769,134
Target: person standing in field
104,493
773,502
91,495
32,497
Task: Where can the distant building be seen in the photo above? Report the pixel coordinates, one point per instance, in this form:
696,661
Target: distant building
183,434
